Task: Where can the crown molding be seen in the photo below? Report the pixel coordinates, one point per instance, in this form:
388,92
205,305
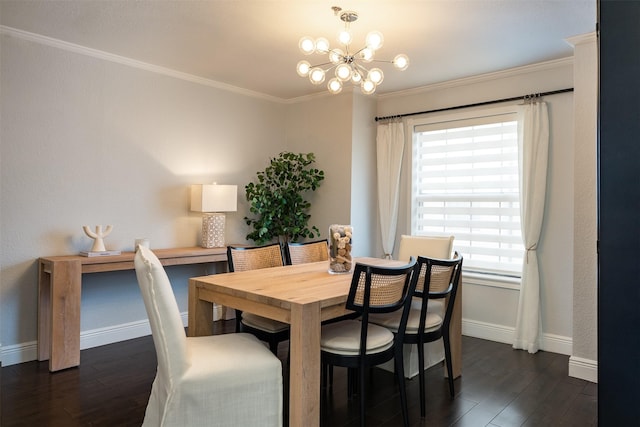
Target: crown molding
511,72
582,39
106,56
319,95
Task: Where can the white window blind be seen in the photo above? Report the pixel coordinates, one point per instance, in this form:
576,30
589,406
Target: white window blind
465,184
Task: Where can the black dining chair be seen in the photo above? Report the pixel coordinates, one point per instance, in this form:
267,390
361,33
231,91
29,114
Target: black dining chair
301,253
243,258
438,279
357,344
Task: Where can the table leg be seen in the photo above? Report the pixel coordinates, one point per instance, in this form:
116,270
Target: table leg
200,316
304,388
455,334
64,315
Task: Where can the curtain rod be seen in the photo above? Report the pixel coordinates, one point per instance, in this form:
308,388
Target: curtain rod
515,98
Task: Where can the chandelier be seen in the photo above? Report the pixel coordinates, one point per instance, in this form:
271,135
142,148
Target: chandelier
347,64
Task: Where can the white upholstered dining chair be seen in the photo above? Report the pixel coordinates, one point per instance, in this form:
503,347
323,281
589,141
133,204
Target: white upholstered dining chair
221,380
428,246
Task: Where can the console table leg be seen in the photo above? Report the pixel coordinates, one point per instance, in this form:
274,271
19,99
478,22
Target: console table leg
64,297
44,310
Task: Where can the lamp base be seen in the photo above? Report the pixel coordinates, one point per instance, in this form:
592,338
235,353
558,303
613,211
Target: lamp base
213,230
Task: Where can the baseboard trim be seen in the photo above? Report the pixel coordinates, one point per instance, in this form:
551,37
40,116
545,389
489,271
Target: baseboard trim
125,331
487,331
19,353
585,369
504,334
26,352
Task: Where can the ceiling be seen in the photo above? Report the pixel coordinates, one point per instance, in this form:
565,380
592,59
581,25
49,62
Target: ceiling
253,44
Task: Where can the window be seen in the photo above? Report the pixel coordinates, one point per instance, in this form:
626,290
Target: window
465,184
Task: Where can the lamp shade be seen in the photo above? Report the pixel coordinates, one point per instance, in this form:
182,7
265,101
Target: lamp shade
214,198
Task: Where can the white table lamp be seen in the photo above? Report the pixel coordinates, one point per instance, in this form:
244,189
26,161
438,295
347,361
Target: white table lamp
213,200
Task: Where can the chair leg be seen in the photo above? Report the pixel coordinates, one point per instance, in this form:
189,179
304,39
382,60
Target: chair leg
447,358
327,370
350,381
273,346
421,379
361,374
238,321
288,355
323,376
399,368
330,376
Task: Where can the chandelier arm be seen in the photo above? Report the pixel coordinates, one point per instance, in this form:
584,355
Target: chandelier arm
338,52
361,68
322,65
382,60
346,49
360,50
331,68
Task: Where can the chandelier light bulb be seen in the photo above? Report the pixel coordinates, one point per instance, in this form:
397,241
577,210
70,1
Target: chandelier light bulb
336,56
376,76
322,45
344,37
368,87
356,77
343,72
366,54
303,68
374,40
316,75
307,45
334,86
401,62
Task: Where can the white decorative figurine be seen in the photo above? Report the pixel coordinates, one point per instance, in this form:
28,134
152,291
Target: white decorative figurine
98,236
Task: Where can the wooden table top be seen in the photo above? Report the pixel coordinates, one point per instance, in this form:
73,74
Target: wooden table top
290,284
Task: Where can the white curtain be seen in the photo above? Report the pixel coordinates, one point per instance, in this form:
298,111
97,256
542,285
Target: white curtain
533,146
390,148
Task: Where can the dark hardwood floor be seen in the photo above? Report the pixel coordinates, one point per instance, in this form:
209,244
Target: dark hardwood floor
499,387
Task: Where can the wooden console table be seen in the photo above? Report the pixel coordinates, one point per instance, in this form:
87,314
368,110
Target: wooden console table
59,290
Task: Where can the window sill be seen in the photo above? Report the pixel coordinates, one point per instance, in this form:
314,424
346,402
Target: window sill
491,280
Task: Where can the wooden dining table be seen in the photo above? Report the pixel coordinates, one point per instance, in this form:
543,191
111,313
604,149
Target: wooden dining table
301,295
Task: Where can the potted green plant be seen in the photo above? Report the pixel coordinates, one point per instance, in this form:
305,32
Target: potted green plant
278,199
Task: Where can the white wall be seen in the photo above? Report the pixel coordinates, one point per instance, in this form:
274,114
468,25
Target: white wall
364,182
87,141
490,312
583,362
322,125
340,130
